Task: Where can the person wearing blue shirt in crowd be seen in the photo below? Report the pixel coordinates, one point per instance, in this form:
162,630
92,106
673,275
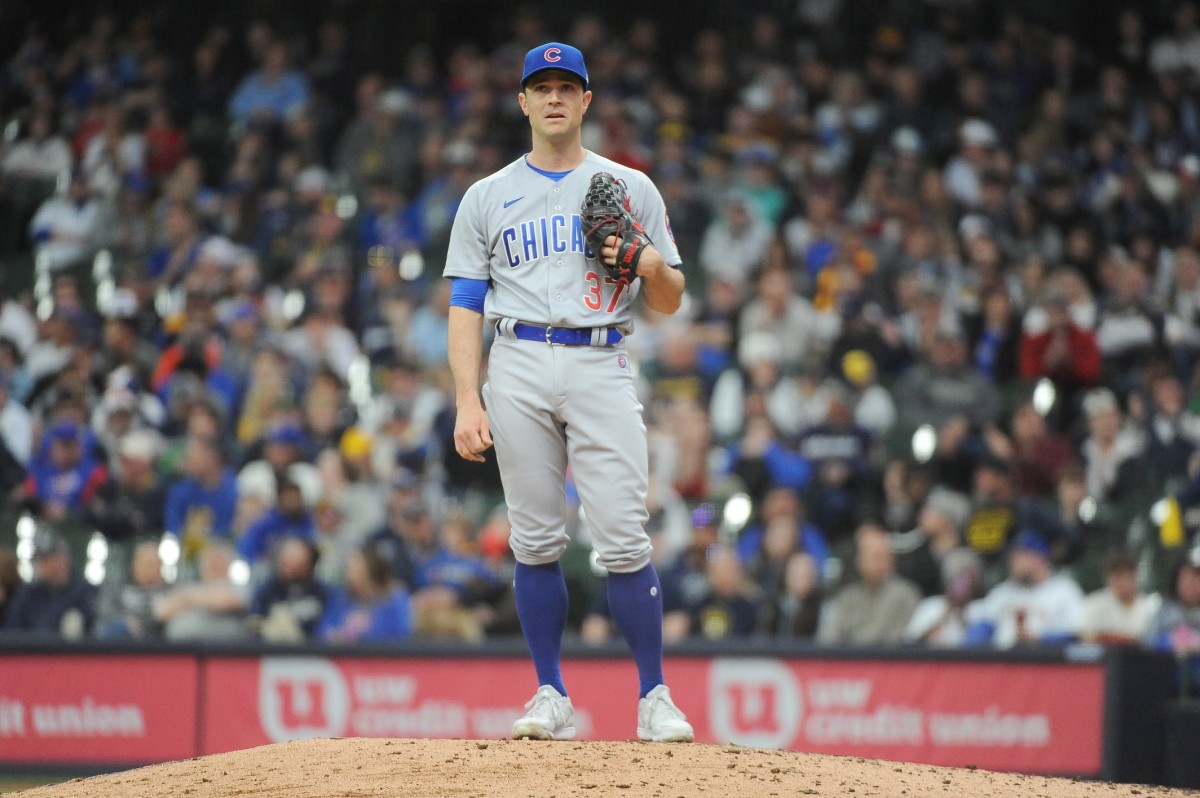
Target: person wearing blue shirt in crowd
288,518
204,501
272,93
58,601
1176,625
371,608
783,503
63,480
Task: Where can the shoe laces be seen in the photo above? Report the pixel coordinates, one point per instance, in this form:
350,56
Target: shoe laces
661,704
546,704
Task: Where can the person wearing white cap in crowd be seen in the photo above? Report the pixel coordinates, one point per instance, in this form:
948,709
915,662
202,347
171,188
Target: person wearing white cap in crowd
131,504
964,173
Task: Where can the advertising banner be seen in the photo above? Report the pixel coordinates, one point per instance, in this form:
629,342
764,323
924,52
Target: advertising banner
1035,718
118,710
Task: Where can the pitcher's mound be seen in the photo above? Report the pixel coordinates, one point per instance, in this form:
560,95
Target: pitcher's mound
357,768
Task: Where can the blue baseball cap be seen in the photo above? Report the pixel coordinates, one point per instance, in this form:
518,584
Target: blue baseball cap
555,55
1030,540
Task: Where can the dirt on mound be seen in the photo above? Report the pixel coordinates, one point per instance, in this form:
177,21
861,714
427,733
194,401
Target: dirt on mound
358,768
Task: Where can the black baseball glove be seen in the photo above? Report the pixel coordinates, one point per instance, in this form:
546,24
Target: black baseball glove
605,213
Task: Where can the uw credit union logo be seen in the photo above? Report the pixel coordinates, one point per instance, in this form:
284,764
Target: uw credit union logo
302,699
754,702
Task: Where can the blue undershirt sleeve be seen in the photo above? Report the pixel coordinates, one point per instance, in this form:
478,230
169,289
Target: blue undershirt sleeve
468,293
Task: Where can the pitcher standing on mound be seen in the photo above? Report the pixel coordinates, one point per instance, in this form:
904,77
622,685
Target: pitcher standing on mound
559,386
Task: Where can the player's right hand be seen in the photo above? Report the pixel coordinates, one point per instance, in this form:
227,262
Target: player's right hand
471,434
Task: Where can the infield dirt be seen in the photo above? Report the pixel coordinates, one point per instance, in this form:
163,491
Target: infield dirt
361,768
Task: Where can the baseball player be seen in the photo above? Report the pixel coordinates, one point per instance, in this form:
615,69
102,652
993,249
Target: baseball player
559,387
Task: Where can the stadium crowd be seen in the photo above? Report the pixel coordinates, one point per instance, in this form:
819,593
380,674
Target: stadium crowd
935,379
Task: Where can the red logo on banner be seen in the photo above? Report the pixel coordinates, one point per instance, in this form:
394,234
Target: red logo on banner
300,699
754,702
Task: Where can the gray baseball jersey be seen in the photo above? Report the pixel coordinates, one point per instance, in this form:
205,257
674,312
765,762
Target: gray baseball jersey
550,406
521,230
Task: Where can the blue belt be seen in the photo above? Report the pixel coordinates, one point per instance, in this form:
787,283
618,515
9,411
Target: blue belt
565,336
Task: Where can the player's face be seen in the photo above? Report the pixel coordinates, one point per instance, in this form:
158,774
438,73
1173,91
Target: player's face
555,104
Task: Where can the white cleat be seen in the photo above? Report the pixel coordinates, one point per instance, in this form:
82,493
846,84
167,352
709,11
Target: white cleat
548,716
660,721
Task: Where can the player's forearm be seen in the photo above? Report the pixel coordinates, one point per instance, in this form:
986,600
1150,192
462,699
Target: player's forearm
662,286
465,351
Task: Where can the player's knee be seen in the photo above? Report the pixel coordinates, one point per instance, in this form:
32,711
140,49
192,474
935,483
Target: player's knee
537,551
624,560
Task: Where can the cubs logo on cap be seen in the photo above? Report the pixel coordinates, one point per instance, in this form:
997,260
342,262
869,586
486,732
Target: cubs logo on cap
554,55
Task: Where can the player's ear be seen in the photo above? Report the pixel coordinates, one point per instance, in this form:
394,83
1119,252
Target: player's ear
587,100
522,102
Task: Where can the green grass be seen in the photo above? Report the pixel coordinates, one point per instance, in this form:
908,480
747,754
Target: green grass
11,784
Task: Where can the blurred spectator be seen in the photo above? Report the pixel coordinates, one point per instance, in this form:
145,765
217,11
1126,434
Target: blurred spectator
871,403
793,610
378,147
10,583
370,608
287,607
684,580
398,542
321,339
1176,625
202,502
1172,430
994,337
289,518
943,385
66,228
58,601
1062,351
273,93
1112,451
63,481
1039,455
976,139
113,154
127,608
1118,613
131,503
458,586
180,247
921,553
284,456
844,458
213,608
726,606
1178,50
1034,606
777,309
1128,330
877,606
761,379
41,154
940,620
782,527
735,244
998,514
16,432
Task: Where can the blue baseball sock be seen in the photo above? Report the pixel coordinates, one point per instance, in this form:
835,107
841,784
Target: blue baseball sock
541,594
635,601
